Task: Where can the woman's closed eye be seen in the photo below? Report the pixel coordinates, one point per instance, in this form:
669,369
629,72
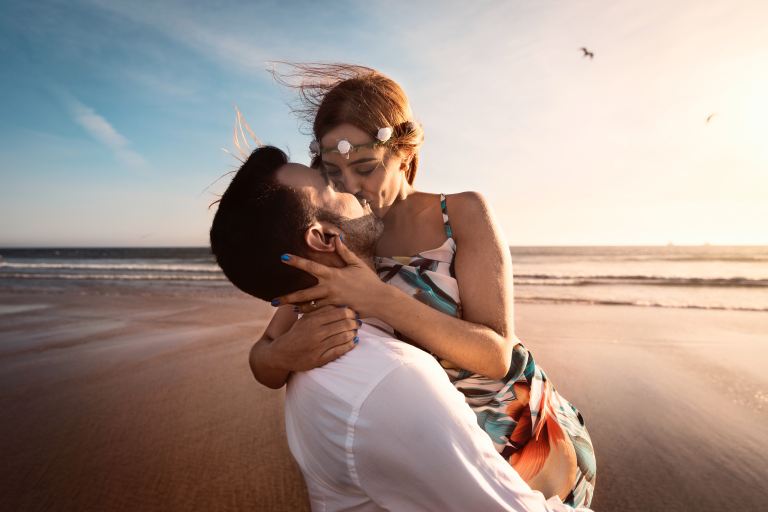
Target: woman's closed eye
335,174
365,171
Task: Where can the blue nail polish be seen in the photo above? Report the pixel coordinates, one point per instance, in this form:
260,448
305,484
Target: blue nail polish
275,302
341,237
356,340
359,322
285,257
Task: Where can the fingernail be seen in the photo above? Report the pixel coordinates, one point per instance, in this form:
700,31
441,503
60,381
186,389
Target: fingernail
359,322
275,302
356,340
285,257
357,315
341,237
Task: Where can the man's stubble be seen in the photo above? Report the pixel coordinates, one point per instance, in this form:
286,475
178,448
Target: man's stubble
361,235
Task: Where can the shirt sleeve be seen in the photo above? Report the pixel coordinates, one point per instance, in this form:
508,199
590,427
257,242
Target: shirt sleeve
417,446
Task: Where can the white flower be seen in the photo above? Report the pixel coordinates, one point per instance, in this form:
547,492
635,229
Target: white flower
384,134
314,148
344,147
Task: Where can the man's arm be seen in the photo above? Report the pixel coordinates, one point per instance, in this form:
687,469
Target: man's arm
417,446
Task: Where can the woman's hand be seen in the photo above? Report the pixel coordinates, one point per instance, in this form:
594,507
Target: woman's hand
315,339
351,286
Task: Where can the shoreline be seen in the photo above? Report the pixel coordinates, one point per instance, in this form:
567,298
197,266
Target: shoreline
127,399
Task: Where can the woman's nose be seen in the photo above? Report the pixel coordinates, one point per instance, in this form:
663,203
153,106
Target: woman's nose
351,185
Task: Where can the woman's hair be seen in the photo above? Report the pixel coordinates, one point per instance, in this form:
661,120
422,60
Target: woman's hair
335,94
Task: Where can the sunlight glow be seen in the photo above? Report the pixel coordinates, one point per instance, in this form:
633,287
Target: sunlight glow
746,120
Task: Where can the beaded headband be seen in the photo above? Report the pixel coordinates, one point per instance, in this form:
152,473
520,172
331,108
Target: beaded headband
344,147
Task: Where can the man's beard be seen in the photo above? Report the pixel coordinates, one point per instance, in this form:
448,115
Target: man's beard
361,234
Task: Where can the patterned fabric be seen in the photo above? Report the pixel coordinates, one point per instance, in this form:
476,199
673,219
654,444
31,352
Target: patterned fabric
538,431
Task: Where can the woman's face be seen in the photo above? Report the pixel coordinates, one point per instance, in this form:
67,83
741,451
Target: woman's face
372,174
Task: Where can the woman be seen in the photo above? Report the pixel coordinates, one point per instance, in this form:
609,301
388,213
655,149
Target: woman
451,295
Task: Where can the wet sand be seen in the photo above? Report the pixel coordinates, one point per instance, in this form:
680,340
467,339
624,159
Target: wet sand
130,400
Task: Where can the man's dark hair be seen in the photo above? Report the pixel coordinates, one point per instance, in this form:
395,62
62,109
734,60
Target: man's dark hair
258,220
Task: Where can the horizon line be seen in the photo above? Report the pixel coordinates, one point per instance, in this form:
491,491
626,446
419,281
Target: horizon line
70,247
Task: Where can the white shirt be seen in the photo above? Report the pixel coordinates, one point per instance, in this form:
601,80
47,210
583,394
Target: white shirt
382,428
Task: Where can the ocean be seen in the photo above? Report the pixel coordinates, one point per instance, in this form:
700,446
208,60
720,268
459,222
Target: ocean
702,277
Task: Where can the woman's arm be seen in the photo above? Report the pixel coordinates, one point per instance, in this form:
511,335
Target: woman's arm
483,339
263,364
290,344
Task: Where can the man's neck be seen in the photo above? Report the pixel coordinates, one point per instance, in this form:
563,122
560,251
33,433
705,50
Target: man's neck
334,260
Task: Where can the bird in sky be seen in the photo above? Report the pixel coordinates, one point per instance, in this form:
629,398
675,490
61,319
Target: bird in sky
710,116
587,53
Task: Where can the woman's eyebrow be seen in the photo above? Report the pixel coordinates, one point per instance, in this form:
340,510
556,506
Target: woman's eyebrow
363,160
354,162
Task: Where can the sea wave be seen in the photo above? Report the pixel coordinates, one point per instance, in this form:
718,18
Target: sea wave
114,277
654,280
106,266
553,257
728,254
207,271
644,303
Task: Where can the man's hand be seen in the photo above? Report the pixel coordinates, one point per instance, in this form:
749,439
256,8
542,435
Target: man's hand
352,285
315,339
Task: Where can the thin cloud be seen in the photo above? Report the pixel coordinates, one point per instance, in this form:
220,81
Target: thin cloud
157,82
174,21
101,130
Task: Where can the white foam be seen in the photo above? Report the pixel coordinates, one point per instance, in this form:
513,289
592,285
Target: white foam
21,308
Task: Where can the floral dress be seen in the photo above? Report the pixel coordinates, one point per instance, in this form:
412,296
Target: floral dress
538,431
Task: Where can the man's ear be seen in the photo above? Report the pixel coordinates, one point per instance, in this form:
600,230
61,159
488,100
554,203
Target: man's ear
319,237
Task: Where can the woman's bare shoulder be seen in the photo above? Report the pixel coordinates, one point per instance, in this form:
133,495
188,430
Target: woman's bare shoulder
469,212
424,197
466,203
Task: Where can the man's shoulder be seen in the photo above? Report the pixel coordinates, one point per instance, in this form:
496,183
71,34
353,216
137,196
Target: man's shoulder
351,377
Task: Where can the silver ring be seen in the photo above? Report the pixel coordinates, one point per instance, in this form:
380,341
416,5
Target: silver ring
313,304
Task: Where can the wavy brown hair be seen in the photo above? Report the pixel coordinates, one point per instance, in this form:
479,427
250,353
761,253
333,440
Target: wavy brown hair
335,94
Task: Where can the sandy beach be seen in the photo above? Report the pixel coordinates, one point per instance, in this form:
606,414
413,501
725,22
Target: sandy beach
122,399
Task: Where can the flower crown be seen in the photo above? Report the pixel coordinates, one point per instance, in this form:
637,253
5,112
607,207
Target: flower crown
344,147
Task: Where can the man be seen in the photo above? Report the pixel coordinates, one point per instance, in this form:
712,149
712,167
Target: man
380,428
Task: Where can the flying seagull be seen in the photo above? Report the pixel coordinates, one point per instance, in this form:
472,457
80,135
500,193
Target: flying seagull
587,53
710,116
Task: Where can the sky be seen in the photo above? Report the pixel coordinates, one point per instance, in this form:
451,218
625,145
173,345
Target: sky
113,114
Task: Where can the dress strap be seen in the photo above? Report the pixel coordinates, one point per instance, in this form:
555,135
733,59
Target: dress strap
446,221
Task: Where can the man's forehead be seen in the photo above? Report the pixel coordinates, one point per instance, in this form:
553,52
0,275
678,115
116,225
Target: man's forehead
300,177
